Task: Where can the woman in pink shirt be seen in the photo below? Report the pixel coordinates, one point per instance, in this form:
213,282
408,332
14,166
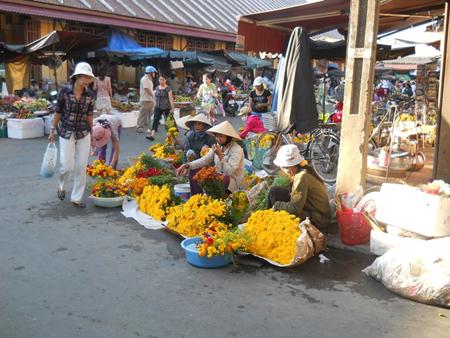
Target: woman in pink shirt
253,123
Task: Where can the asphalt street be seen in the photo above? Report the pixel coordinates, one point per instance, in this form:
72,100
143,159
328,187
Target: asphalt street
66,272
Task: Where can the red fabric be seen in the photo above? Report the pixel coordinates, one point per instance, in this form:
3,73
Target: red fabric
262,39
253,125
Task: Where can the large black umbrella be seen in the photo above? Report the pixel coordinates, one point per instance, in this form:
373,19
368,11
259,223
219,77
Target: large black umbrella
63,44
57,46
296,101
9,52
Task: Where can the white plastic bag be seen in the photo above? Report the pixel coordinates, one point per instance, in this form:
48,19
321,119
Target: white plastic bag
420,271
48,166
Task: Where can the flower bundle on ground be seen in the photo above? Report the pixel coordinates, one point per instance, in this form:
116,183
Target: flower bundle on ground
266,141
136,186
166,152
191,219
219,239
156,201
273,235
100,170
239,206
172,136
149,172
109,189
211,182
130,173
250,180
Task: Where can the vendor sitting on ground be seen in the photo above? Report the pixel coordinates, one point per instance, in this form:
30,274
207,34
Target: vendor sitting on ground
253,123
226,155
308,196
197,139
106,127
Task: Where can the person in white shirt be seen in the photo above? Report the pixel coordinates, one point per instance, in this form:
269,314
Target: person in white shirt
147,99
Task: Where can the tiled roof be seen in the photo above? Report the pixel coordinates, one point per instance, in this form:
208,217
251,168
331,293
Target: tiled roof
216,15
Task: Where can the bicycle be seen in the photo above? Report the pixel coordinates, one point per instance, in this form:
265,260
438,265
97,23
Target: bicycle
320,148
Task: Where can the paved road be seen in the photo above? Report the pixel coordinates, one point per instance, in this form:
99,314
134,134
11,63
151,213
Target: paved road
66,272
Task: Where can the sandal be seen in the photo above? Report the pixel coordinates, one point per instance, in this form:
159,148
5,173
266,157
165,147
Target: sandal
79,205
151,138
61,194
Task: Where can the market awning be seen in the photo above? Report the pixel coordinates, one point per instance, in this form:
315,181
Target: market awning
10,52
268,31
216,62
62,44
247,60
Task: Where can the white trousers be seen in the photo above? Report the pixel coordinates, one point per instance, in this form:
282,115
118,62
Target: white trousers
73,157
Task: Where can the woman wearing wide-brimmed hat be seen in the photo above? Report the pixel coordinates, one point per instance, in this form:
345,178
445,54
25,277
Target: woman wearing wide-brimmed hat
197,138
73,121
308,195
226,155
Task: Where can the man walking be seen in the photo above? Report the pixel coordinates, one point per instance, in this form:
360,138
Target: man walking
147,99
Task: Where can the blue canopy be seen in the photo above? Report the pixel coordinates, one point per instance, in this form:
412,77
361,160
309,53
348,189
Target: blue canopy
247,60
120,44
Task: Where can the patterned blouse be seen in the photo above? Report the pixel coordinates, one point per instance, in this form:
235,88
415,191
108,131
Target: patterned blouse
74,113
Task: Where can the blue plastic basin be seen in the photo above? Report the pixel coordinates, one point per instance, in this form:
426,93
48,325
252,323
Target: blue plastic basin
190,248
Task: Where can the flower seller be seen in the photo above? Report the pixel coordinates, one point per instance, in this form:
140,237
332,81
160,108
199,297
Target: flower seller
227,155
73,121
106,128
197,138
308,195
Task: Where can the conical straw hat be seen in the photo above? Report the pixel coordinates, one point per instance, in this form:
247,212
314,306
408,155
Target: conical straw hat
225,128
198,118
181,122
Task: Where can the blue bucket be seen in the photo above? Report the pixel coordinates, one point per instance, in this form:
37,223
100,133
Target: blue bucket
190,248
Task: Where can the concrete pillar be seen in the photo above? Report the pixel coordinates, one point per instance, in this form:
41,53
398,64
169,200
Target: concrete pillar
441,165
360,67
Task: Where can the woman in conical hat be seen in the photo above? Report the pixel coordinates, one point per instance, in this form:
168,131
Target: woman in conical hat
197,139
226,155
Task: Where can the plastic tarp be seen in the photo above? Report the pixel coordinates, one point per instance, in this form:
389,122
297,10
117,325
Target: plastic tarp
215,62
277,84
130,209
120,44
296,99
17,74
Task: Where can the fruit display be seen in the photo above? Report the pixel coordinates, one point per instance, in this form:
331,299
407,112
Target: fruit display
122,107
183,99
7,103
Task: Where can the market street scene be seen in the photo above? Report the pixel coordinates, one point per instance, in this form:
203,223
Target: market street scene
243,169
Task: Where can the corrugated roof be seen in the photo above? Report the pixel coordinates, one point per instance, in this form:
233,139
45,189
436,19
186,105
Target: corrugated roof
413,60
213,15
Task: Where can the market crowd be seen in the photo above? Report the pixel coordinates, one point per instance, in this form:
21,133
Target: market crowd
206,142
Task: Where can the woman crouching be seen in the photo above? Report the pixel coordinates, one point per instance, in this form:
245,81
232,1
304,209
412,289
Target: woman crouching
308,194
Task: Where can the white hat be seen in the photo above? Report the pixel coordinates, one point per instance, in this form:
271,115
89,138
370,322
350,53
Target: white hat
198,118
225,128
181,122
288,156
258,81
83,68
